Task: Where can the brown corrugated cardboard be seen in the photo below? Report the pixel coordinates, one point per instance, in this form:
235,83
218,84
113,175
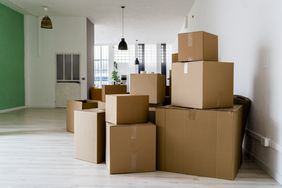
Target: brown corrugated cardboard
152,112
113,89
197,46
149,84
127,109
96,93
131,148
77,105
199,142
89,135
202,84
174,58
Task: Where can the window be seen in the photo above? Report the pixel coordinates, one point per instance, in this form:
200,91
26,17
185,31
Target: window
141,56
163,59
101,65
67,68
151,58
124,56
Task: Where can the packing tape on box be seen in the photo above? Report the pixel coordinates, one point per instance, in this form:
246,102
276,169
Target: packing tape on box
218,99
133,156
192,114
190,40
186,68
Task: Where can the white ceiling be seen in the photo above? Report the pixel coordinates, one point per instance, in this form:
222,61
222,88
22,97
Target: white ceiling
151,21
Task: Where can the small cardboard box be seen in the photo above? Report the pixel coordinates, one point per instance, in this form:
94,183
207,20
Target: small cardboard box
131,148
127,109
89,135
73,105
197,46
96,94
174,58
202,84
113,89
149,84
199,142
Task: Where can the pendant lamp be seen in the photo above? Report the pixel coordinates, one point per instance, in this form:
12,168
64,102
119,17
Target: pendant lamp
46,22
122,45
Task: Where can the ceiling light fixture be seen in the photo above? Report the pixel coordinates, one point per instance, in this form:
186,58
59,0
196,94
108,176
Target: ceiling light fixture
46,22
122,45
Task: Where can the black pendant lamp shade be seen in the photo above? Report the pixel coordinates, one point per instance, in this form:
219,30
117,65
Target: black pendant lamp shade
137,61
46,22
122,45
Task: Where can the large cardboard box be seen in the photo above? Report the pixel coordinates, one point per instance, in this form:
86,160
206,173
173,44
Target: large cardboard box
199,142
131,148
197,46
73,105
174,58
127,109
113,89
153,85
89,135
202,84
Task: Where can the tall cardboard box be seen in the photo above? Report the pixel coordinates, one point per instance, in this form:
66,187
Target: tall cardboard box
96,93
131,148
202,84
127,109
113,89
73,105
153,85
89,135
174,58
197,46
199,142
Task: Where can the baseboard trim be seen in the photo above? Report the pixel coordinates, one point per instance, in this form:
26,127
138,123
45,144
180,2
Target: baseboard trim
273,174
12,109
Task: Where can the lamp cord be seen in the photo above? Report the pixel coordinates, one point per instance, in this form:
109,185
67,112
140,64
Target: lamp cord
122,21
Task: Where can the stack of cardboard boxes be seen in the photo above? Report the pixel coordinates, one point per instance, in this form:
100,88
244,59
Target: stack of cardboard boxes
200,133
86,119
130,139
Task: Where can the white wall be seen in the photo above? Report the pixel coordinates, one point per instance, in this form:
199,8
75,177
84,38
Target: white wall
68,36
90,55
250,35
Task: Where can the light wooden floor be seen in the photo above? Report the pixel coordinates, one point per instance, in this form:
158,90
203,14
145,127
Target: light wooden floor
36,152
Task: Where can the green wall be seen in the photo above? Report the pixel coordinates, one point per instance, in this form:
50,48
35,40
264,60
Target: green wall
12,92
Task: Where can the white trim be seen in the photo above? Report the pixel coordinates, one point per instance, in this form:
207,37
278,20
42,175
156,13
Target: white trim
261,139
12,109
271,172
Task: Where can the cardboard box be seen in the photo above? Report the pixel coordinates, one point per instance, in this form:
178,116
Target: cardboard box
113,89
174,58
73,105
153,85
89,135
101,105
202,84
197,46
127,109
131,148
199,142
96,93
